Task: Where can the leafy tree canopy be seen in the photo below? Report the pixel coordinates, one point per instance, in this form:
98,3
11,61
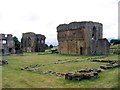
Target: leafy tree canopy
17,43
115,41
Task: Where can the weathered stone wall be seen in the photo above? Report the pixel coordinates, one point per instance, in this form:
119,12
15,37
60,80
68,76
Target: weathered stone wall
70,41
103,46
40,44
28,42
80,37
7,44
32,42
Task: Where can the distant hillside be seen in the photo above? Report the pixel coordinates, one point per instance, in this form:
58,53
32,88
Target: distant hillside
116,46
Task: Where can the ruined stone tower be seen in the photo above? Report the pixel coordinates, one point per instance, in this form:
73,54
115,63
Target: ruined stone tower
32,42
82,38
7,44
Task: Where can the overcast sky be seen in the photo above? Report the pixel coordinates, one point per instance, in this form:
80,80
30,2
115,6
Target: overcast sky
43,16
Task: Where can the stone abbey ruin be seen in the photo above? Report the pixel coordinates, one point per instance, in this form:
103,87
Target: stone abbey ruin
82,38
32,42
7,45
74,38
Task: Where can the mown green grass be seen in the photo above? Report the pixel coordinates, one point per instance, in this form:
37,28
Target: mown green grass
13,77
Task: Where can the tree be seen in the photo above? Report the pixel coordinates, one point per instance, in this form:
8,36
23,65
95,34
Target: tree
46,46
51,46
17,43
115,41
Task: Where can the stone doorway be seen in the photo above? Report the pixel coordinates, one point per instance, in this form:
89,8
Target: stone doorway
81,50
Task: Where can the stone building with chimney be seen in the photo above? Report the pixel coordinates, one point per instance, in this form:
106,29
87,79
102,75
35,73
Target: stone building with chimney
32,42
84,37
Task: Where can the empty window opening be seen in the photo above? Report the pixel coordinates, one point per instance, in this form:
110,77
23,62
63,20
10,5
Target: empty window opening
93,37
94,33
5,35
4,41
42,41
10,50
94,28
29,38
3,51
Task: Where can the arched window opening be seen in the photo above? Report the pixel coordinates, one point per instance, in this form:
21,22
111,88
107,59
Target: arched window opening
94,33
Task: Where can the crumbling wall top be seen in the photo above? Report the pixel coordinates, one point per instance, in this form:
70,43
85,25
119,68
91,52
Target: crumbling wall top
78,25
40,36
29,33
2,36
5,36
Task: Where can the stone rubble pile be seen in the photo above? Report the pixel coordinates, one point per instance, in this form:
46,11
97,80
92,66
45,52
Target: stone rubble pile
2,62
96,57
113,64
35,69
91,73
31,67
83,74
50,72
105,61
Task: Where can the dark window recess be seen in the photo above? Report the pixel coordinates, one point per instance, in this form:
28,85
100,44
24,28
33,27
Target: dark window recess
81,50
94,33
3,51
10,50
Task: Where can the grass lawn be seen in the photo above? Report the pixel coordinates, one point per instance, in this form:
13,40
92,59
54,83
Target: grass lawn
13,77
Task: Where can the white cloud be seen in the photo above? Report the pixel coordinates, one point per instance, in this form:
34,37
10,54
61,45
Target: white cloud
43,16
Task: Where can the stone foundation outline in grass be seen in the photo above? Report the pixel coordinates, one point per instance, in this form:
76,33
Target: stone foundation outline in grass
112,64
